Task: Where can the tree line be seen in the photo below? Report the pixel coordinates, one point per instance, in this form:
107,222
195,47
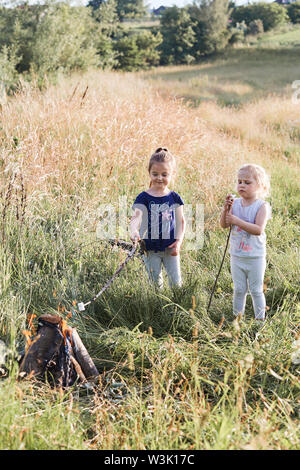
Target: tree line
43,40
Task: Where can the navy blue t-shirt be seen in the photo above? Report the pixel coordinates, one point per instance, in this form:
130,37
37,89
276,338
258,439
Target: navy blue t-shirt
159,226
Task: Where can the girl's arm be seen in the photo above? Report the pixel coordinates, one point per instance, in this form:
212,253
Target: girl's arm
223,222
180,222
135,224
254,229
227,206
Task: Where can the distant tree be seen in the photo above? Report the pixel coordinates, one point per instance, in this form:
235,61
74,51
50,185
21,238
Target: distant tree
49,38
64,40
148,43
294,12
255,27
8,70
108,27
107,15
18,28
128,9
271,14
95,4
178,36
137,51
236,36
210,24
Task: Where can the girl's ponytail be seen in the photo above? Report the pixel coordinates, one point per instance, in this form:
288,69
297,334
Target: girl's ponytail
162,155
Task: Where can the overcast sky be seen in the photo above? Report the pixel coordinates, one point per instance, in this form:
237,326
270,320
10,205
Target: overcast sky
170,3
166,3
181,3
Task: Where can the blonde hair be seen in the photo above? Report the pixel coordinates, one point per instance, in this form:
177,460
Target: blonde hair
162,155
260,176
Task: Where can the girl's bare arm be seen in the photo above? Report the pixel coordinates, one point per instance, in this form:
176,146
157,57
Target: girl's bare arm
254,229
180,229
135,224
227,206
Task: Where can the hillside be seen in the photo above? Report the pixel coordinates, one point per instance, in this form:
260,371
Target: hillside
237,76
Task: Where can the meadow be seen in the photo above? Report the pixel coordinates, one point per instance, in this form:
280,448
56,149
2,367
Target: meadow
234,77
189,379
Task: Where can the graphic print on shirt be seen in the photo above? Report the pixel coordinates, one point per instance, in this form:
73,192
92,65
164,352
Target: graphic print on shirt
162,227
159,224
244,244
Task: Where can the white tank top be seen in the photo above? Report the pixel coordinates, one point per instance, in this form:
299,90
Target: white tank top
243,243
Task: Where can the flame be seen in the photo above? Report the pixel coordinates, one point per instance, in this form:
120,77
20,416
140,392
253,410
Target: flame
61,308
66,330
30,318
27,334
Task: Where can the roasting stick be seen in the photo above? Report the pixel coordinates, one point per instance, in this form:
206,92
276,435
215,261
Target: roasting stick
81,305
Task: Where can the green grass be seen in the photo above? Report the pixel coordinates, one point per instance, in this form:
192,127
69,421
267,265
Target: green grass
140,26
285,36
234,77
189,379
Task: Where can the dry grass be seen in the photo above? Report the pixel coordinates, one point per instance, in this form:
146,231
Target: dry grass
93,135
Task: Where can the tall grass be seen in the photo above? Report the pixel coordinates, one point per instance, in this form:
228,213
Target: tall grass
189,380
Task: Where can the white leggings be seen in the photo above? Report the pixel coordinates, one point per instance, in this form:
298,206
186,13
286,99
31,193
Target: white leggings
248,272
154,261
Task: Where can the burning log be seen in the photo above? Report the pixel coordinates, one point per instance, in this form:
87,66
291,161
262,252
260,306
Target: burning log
57,354
83,357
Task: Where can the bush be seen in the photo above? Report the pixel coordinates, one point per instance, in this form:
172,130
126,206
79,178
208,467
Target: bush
8,72
178,36
63,40
108,27
293,11
48,38
237,35
210,24
255,27
271,15
138,51
127,9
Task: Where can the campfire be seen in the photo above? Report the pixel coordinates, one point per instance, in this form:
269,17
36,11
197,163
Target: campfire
55,353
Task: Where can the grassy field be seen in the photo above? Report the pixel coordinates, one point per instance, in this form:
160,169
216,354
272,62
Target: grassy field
288,35
191,380
234,77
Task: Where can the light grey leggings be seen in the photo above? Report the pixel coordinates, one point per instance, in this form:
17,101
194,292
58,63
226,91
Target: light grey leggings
154,261
248,272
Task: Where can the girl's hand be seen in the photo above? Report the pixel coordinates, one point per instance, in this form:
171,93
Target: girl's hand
135,224
135,236
175,248
226,216
254,229
228,202
230,219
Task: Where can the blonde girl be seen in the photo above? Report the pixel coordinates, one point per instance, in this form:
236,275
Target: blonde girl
248,216
158,219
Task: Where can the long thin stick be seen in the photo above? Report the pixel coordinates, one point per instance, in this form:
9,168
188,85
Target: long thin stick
231,198
216,280
81,305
